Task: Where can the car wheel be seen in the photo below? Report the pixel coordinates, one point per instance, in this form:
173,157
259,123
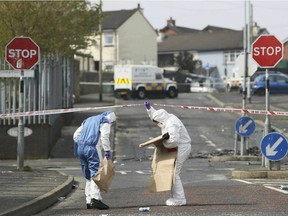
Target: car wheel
141,93
261,92
240,90
228,88
127,96
172,92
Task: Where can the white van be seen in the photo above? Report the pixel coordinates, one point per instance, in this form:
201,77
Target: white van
141,81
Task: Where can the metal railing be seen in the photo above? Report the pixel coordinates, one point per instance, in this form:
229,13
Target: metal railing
48,86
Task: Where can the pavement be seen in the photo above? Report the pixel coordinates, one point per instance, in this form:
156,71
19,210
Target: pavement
28,191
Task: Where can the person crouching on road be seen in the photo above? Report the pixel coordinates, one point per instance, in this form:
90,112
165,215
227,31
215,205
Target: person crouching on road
178,138
89,139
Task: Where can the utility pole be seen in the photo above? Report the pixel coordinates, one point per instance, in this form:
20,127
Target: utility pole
244,140
101,57
250,39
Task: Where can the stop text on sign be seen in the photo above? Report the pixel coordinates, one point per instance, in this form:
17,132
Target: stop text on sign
270,51
17,53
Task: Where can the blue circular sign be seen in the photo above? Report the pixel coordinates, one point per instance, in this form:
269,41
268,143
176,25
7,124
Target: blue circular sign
245,126
274,146
207,66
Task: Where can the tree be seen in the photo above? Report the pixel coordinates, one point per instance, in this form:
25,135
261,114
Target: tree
56,26
185,61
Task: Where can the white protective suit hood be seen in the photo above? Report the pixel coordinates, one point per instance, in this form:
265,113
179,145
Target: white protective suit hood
111,117
160,115
171,124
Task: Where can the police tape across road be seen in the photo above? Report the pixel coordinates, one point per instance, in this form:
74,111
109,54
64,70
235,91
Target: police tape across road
61,111
213,109
231,110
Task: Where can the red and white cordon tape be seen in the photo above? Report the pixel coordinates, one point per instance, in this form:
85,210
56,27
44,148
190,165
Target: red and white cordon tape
61,111
213,109
231,110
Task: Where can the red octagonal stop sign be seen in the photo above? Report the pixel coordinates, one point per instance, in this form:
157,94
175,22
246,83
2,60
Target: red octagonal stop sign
22,53
267,51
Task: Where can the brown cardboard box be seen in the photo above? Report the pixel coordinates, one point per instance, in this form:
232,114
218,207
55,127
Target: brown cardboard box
163,166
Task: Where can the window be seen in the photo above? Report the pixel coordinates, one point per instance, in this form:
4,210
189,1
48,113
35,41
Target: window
108,66
231,56
165,60
158,76
108,39
280,79
96,65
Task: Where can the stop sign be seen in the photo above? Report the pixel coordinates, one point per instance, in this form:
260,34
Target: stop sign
22,53
267,51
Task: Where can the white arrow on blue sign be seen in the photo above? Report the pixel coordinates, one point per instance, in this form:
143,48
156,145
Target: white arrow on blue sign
274,146
245,126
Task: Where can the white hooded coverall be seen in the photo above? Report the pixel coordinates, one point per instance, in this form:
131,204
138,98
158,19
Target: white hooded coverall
178,137
89,139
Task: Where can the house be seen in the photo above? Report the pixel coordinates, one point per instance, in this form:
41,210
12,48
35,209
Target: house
127,38
172,29
285,47
283,63
214,46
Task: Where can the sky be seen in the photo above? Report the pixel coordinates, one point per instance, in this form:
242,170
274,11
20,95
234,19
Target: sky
197,14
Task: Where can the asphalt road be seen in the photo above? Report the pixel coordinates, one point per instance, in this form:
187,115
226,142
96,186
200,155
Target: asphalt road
208,184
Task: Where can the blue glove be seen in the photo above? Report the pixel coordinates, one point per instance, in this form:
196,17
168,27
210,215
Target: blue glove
107,155
147,104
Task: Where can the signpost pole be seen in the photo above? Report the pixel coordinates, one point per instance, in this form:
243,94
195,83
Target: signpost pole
20,141
267,119
22,53
267,51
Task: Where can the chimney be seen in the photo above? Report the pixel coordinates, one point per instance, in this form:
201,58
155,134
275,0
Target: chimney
171,22
139,8
255,30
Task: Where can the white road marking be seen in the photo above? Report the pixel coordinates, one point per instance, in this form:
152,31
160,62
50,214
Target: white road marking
209,142
122,172
204,137
140,172
243,181
277,189
265,184
144,172
65,168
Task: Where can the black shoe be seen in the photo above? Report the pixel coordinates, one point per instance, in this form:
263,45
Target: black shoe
89,206
97,204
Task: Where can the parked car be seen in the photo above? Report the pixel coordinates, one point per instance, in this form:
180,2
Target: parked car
254,76
207,84
278,83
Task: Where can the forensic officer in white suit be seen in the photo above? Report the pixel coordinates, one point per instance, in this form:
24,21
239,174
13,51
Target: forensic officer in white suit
178,138
89,139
